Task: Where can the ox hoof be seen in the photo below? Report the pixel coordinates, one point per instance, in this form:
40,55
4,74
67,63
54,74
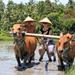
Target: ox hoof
67,67
60,68
20,68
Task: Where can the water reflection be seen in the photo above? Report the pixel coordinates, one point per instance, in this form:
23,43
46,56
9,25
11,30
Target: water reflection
6,50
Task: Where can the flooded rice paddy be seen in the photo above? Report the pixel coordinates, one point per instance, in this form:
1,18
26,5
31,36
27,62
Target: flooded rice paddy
8,63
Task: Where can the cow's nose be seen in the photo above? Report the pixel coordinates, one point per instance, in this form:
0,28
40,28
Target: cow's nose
19,29
60,50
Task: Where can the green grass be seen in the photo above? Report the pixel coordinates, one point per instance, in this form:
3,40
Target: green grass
71,71
4,36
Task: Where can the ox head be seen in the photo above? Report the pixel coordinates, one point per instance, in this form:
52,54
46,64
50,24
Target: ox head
17,31
64,42
16,28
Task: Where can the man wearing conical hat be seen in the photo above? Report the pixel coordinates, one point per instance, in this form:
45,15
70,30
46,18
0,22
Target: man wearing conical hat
28,25
30,41
47,43
46,26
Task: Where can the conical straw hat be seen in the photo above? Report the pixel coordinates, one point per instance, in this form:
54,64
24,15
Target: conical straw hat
28,19
46,20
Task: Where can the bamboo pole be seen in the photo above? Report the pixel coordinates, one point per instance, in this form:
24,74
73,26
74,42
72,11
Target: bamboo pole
40,35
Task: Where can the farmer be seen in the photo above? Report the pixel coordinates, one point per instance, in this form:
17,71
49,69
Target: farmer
28,25
30,41
47,43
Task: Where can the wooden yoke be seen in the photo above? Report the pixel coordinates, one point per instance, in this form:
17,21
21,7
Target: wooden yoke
39,35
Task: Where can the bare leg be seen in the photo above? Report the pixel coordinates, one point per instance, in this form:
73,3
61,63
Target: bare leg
41,56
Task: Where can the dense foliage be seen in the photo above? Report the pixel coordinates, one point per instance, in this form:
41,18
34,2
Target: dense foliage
62,16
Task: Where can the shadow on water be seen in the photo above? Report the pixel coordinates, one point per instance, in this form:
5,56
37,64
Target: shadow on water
26,66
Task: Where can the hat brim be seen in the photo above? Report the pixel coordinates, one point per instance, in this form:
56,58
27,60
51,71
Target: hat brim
28,19
45,20
46,23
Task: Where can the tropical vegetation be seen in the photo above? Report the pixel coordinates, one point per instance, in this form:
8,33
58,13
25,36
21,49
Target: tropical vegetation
62,16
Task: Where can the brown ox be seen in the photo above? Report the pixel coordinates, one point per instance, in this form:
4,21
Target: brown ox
24,45
66,51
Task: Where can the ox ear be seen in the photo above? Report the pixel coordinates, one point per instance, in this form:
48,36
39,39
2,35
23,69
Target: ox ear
61,34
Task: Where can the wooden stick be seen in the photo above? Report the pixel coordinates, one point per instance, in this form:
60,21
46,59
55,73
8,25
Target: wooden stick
39,35
42,35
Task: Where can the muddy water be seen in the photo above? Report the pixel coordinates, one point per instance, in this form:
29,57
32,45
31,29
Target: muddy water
8,63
